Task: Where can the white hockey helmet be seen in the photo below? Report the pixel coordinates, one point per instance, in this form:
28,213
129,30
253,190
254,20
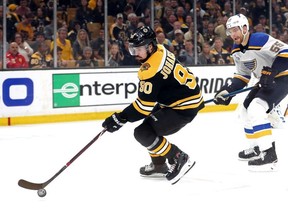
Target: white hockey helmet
238,20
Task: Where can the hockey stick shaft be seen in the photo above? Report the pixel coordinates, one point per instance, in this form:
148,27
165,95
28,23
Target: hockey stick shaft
233,93
36,186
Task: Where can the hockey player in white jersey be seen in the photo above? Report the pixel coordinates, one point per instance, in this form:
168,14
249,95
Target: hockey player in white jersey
266,58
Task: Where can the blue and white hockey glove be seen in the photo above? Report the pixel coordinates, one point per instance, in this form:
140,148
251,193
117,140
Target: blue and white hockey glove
114,122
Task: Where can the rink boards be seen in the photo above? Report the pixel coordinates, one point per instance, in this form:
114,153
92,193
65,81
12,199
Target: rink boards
41,96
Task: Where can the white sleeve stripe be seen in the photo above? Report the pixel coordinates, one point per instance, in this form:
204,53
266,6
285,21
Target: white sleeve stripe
143,107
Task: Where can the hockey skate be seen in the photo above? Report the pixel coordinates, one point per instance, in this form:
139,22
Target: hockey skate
153,170
266,162
181,165
249,154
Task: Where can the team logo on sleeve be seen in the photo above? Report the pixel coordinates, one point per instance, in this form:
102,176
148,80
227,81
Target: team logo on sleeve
145,66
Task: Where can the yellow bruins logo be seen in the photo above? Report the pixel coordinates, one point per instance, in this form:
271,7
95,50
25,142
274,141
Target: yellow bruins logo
145,66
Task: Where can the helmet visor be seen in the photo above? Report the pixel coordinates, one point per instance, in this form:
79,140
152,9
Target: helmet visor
134,51
232,30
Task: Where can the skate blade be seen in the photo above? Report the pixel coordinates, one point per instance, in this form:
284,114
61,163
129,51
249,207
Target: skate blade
185,169
156,175
249,159
264,168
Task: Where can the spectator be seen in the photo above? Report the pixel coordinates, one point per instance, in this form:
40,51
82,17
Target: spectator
278,19
258,10
118,30
11,12
41,58
61,63
11,21
213,14
161,39
165,23
176,26
212,4
189,35
98,12
98,46
40,20
174,5
84,14
186,55
180,14
23,9
128,9
209,34
169,25
263,22
259,28
14,58
116,56
86,60
188,21
220,55
23,47
220,29
200,12
64,44
178,42
82,41
132,23
227,10
40,37
73,28
158,9
25,27
49,31
205,57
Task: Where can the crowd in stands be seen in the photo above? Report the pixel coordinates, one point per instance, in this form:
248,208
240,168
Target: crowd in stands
80,35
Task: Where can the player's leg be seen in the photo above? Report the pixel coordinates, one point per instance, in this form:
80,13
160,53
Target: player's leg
151,135
253,151
261,131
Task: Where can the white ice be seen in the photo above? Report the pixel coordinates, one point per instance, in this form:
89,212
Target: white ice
105,179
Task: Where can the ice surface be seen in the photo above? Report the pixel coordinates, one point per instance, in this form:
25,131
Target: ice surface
105,180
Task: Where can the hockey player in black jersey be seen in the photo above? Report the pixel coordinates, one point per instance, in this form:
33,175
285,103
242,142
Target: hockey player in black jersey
266,58
168,99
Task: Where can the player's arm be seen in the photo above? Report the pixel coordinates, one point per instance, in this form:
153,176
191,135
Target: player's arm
139,109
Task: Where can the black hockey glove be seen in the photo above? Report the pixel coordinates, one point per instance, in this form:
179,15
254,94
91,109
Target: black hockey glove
219,98
113,123
267,78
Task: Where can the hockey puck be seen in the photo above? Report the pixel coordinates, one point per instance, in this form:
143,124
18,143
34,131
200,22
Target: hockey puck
41,192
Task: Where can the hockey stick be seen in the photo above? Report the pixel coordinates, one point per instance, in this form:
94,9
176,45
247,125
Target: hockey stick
36,186
233,93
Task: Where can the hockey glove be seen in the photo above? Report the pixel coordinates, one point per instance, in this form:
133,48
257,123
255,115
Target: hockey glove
267,78
113,123
219,98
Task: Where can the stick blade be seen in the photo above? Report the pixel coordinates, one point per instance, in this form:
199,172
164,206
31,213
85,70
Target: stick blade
29,185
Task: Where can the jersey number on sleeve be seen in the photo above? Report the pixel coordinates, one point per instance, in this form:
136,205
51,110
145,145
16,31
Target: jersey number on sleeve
184,76
276,47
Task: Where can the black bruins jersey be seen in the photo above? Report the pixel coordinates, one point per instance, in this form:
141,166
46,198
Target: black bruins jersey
163,80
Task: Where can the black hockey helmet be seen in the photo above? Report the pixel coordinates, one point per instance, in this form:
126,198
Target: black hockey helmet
142,36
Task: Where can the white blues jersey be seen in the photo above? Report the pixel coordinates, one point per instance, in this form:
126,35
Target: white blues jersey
261,50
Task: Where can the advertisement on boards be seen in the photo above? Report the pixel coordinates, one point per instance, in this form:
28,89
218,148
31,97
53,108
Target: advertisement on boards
48,92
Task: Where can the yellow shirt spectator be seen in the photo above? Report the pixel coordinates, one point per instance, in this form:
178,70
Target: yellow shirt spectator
64,44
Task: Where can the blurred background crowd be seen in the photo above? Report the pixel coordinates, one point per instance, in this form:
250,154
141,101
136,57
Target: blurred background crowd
94,33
